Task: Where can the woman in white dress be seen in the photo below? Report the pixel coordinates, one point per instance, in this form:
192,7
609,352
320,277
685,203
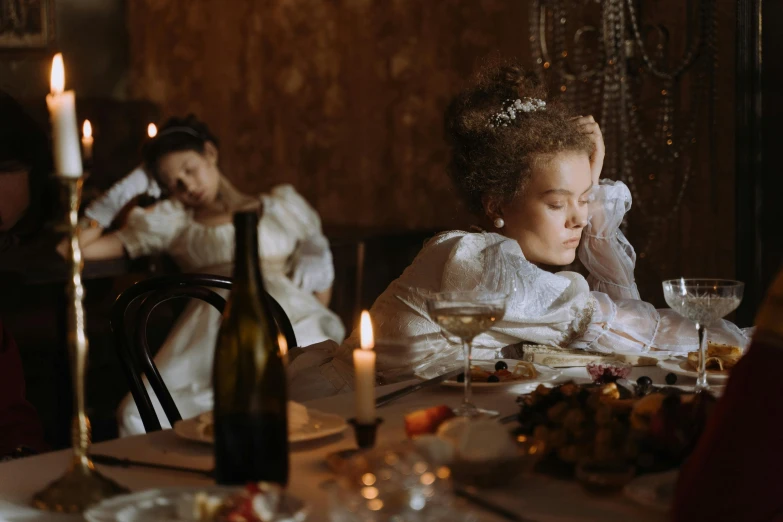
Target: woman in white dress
532,173
193,225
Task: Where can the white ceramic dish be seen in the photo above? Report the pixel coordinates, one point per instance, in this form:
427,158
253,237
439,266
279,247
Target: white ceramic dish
319,425
680,366
545,374
160,505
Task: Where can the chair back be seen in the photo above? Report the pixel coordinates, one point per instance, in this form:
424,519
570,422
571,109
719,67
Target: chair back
129,327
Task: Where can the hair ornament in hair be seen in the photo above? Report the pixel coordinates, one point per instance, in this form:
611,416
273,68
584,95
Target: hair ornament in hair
177,129
510,109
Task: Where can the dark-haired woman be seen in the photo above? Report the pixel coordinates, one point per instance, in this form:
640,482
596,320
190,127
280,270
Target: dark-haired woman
28,197
26,204
531,173
193,225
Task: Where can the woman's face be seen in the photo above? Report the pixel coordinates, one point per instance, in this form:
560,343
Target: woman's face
14,196
190,176
548,216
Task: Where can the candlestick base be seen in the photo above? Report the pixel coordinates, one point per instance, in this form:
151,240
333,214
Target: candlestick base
365,433
81,487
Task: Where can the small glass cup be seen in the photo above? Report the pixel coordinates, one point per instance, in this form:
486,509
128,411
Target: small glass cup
604,477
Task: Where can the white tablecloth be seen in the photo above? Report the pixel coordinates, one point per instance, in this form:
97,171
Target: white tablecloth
539,498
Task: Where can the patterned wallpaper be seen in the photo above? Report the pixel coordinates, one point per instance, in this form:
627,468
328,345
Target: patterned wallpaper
344,99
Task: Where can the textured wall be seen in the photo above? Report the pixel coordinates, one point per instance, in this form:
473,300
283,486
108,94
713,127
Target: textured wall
92,36
342,98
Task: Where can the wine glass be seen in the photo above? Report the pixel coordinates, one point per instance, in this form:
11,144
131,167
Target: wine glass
466,315
703,301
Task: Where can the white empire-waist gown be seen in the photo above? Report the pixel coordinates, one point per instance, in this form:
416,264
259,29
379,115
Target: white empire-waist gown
290,237
602,313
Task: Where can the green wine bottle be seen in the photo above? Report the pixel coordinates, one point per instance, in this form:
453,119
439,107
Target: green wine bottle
249,380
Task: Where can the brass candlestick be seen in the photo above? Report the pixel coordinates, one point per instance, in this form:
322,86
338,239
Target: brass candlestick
81,486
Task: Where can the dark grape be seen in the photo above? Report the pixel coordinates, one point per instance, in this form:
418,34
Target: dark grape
644,381
461,377
501,365
671,378
493,378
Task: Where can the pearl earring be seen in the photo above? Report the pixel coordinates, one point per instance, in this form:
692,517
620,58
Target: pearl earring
499,223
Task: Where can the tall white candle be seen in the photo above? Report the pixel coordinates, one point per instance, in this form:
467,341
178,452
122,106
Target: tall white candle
65,132
364,373
87,140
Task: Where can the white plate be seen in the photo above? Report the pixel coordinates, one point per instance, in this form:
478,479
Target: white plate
160,505
654,491
319,425
680,366
545,374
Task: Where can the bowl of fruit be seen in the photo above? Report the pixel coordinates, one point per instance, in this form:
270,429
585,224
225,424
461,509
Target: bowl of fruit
606,423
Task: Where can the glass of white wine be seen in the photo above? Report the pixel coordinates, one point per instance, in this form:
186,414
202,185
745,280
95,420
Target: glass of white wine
703,301
466,315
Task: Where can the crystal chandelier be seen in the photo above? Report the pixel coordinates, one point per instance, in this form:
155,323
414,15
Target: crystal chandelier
604,59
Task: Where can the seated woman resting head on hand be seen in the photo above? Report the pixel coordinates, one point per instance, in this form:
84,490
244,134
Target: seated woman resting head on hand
194,226
531,172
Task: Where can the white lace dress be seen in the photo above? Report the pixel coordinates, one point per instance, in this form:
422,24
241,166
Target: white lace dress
603,313
289,235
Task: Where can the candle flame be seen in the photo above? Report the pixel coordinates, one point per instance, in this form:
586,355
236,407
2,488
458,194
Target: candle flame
282,344
152,130
367,340
58,74
87,129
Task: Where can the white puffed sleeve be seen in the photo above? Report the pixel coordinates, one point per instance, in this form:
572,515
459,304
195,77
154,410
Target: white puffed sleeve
542,308
312,267
107,206
604,250
150,231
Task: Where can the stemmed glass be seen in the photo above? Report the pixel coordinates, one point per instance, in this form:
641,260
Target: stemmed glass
703,301
468,313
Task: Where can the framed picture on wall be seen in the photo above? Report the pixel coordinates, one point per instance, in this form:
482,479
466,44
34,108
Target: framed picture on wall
26,24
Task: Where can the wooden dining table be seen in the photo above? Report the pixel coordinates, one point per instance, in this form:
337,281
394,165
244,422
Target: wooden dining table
536,498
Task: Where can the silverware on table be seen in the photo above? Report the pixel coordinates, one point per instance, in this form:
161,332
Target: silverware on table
393,396
486,505
508,418
108,460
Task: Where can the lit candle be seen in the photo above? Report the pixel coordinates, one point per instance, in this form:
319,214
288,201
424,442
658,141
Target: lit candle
65,131
283,346
87,140
152,130
364,373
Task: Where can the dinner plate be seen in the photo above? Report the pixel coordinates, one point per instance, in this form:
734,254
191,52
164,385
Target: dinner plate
545,374
160,505
654,491
318,425
680,366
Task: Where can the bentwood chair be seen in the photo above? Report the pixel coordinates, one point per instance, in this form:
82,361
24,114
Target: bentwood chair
129,326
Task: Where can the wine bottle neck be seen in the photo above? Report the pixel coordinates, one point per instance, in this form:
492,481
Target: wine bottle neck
247,272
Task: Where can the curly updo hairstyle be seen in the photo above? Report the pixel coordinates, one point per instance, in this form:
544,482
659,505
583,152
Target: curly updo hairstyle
176,135
493,160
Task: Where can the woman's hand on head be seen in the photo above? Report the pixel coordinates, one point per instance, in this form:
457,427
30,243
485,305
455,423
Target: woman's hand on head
588,125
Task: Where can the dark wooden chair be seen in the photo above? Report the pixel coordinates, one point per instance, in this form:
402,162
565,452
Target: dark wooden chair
129,327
